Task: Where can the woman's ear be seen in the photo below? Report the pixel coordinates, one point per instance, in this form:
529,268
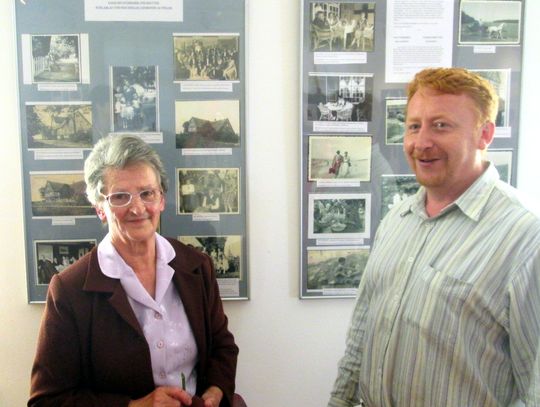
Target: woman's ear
101,213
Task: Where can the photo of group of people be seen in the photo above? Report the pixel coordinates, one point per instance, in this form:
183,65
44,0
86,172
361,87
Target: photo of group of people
339,97
54,256
342,26
208,190
134,98
205,57
225,251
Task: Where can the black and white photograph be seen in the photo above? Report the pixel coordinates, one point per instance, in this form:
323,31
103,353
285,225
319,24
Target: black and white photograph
134,99
56,58
208,190
53,256
339,158
207,124
339,216
500,79
342,26
395,189
340,97
59,125
490,22
395,121
206,57
502,159
225,251
61,193
335,267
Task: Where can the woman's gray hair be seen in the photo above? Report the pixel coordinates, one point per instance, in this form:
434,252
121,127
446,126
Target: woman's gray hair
118,152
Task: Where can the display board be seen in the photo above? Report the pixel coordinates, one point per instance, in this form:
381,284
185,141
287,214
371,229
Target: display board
170,71
356,58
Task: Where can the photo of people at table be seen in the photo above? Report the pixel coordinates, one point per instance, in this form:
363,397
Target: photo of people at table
342,26
340,97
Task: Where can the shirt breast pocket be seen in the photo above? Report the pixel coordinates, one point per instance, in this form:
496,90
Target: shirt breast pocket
435,305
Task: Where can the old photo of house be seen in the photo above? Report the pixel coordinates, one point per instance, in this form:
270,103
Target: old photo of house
61,193
207,124
225,251
134,99
53,256
208,190
206,57
59,125
56,58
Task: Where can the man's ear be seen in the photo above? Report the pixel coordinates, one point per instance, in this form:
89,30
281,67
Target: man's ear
487,132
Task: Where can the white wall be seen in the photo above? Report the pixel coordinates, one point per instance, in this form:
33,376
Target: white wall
289,348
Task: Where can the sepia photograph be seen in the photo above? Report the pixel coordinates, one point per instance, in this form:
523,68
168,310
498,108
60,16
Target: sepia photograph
395,189
59,125
207,124
335,267
490,22
56,58
500,79
502,159
339,158
339,216
53,256
225,252
208,190
395,121
61,193
134,99
342,26
206,57
340,97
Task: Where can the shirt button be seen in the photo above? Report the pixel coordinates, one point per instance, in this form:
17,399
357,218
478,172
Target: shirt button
410,259
160,344
157,315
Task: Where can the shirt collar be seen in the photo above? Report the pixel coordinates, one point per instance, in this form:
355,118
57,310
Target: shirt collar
471,202
114,266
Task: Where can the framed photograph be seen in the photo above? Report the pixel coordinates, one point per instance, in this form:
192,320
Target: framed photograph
59,125
335,271
61,193
502,159
208,190
56,58
53,256
339,157
490,22
395,121
500,79
225,251
339,216
134,99
342,26
206,57
207,124
395,189
339,97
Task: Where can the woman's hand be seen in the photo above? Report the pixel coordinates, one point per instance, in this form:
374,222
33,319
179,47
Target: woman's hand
212,396
165,396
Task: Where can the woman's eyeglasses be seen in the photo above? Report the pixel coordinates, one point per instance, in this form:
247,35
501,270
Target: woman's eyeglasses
120,199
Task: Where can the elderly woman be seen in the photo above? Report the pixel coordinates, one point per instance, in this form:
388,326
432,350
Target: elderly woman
138,321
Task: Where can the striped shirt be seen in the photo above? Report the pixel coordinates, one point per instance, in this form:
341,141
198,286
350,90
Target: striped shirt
448,311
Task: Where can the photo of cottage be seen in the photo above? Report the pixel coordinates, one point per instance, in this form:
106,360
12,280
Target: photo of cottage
59,125
207,124
59,194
